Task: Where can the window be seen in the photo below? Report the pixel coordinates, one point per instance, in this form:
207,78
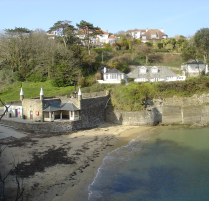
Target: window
113,76
153,36
143,70
154,70
143,37
76,113
46,114
106,76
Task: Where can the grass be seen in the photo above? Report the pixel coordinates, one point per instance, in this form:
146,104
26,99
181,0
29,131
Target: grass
129,98
32,90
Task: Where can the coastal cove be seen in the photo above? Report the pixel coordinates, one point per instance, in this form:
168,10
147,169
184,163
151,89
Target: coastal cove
90,150
170,164
65,163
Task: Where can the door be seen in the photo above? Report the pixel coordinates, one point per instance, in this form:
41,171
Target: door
31,114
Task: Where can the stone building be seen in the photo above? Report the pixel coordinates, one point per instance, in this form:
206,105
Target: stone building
63,113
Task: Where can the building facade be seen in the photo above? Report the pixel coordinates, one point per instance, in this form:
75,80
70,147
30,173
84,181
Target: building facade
154,74
193,68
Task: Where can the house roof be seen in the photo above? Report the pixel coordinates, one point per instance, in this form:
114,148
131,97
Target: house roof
154,31
56,106
113,70
112,36
192,61
81,31
132,30
163,72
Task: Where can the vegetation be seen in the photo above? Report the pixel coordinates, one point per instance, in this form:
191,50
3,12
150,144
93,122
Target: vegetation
31,60
129,97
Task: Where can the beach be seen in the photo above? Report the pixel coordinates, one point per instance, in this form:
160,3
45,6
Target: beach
60,166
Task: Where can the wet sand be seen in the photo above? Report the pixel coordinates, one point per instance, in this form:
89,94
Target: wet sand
60,166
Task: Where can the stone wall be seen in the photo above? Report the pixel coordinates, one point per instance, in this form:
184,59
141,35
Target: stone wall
134,118
186,110
175,110
95,94
92,113
59,126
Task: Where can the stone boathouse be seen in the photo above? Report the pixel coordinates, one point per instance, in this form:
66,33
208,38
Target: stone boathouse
62,114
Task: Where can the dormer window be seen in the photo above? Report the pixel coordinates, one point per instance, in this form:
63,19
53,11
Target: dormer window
143,37
153,35
154,69
143,70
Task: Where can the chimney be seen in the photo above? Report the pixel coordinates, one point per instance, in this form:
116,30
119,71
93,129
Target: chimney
146,29
107,31
21,95
206,69
41,94
79,98
79,94
162,30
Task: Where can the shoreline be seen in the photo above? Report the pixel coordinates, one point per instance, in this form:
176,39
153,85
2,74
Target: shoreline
81,192
61,180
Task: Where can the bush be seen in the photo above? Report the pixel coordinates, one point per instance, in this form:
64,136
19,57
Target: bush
122,82
81,82
130,80
160,45
98,75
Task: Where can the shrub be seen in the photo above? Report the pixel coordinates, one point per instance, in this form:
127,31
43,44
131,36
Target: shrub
130,80
122,82
81,82
98,75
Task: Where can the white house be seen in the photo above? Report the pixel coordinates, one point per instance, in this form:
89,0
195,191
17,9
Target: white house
111,76
193,68
153,74
98,39
154,35
136,33
52,35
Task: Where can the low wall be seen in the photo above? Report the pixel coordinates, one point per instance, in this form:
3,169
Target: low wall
65,126
185,115
134,118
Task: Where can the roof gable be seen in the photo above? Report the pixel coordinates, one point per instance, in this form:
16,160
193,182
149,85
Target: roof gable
113,70
57,106
161,73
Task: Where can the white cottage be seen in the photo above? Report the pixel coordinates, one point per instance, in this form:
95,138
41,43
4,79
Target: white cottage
193,68
111,76
154,74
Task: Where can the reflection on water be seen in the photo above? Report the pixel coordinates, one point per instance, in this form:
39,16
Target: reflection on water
168,165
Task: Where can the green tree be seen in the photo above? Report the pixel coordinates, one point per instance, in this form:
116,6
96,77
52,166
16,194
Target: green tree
89,31
201,41
15,49
67,69
64,30
88,60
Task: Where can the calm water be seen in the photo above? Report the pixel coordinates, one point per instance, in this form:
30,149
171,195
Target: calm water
166,165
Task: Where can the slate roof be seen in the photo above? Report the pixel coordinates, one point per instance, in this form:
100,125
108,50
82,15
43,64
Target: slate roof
152,32
113,70
162,73
192,61
134,30
57,106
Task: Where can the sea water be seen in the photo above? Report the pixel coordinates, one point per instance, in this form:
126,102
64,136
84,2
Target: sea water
172,164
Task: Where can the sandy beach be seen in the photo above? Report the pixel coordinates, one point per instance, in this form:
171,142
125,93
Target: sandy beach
60,166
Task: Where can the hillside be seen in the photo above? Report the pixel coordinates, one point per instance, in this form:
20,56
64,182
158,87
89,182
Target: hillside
131,97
